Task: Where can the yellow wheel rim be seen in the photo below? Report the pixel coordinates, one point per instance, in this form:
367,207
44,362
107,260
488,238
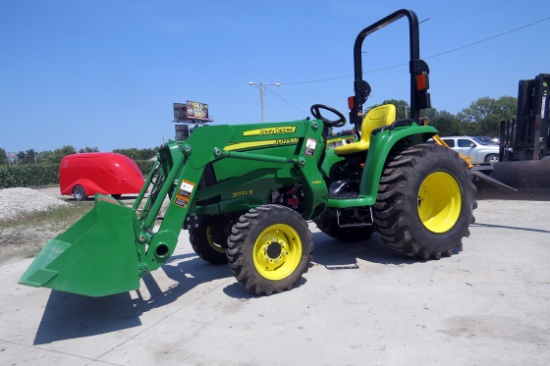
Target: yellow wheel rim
439,202
210,237
277,252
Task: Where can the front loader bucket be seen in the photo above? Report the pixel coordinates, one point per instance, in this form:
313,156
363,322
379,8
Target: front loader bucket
97,256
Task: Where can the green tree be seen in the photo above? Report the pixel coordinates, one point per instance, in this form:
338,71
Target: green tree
58,154
43,157
483,116
447,124
131,152
88,149
26,157
137,154
146,154
3,157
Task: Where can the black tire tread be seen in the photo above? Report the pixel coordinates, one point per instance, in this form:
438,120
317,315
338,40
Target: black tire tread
241,241
394,215
200,244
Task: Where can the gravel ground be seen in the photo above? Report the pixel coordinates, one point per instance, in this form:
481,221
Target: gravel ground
15,202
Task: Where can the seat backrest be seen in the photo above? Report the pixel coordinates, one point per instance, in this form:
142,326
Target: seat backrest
377,117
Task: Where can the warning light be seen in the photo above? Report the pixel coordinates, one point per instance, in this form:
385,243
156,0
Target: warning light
422,82
351,102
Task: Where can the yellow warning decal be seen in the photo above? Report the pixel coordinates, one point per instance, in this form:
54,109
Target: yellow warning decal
270,131
184,193
247,145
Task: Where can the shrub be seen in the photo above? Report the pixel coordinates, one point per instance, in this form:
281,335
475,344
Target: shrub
145,166
28,175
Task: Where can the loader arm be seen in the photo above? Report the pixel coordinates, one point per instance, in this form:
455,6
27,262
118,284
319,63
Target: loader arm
180,179
217,170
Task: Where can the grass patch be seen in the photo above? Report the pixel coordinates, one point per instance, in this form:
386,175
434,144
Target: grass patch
24,236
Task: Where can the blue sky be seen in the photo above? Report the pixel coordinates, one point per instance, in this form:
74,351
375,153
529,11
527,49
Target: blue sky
104,73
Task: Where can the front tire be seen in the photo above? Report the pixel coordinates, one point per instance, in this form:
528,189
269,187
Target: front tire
425,201
269,249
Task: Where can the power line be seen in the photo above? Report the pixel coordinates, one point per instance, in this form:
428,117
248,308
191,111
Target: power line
490,38
428,57
317,80
286,101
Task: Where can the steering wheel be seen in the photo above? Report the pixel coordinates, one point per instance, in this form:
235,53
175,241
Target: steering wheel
316,113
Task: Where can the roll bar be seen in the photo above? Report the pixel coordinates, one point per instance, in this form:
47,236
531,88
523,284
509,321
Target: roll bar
420,98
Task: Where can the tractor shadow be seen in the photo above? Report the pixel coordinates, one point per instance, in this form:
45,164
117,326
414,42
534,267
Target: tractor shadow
334,255
68,316
338,255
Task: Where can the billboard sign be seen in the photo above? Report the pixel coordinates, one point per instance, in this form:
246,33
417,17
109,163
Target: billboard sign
197,111
191,112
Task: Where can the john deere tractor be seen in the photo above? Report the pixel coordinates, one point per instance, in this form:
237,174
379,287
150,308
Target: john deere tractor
246,192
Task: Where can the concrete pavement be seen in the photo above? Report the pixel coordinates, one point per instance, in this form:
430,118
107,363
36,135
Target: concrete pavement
359,304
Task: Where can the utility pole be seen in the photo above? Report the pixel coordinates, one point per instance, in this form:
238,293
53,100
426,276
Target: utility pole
261,87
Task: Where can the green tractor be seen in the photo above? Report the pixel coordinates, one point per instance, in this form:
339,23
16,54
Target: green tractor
246,192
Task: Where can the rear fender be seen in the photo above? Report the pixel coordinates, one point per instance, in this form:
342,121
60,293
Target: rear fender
381,145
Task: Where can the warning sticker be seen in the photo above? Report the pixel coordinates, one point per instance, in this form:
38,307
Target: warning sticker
184,193
310,147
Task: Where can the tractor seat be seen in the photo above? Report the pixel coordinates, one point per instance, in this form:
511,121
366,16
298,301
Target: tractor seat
377,117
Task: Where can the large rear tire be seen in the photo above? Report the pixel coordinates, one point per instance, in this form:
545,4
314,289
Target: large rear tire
269,249
425,201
